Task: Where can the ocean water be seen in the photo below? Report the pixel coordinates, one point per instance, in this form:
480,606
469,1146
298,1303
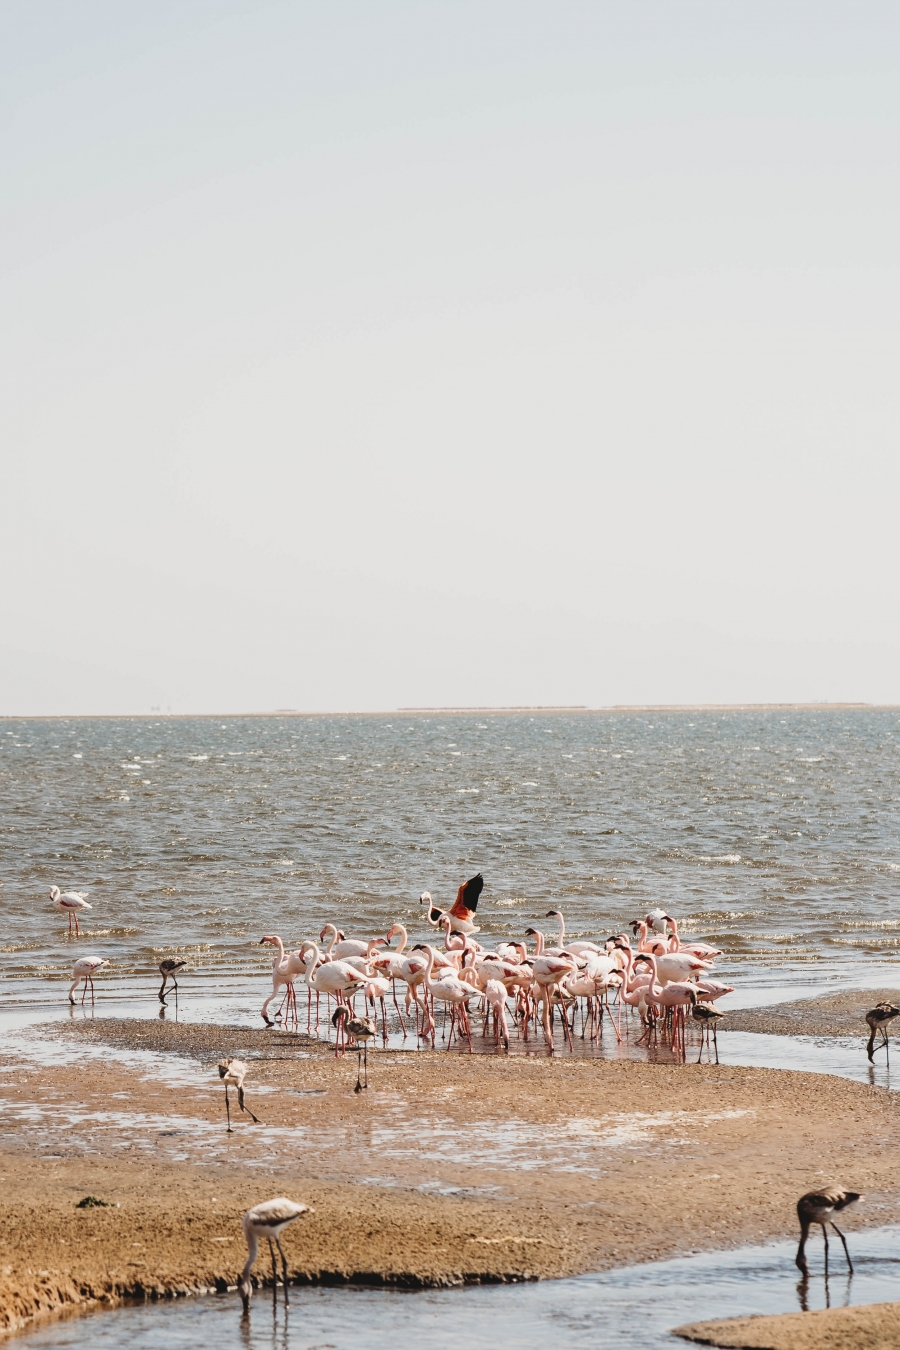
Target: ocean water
775,835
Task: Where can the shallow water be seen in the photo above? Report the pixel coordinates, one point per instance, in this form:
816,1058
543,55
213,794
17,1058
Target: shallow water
774,834
634,1306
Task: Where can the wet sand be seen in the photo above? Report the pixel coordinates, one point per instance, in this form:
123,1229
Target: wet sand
841,1014
875,1326
450,1168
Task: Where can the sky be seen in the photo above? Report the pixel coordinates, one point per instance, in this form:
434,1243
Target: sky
360,355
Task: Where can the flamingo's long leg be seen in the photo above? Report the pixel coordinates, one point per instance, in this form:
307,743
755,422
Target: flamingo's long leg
844,1240
284,1269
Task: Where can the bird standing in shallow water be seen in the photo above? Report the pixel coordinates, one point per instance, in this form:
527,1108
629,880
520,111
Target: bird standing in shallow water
818,1207
167,970
879,1019
70,902
709,1018
363,1030
267,1220
84,969
233,1072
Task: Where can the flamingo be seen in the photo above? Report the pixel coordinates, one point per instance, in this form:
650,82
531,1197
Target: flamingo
449,989
701,949
340,947
578,946
463,908
285,969
233,1072
818,1207
713,989
70,902
85,969
709,1018
548,970
331,977
657,920
267,1220
361,1030
495,997
879,1018
167,970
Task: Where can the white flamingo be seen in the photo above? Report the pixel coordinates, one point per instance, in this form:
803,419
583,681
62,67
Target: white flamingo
450,989
85,969
267,1221
579,945
71,902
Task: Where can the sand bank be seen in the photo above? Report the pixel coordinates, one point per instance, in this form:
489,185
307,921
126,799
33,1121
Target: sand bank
450,1168
876,1326
841,1014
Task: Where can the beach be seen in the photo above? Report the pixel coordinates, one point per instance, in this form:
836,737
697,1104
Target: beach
450,1168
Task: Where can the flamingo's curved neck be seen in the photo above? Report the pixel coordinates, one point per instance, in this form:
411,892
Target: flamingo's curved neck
539,942
311,963
401,931
330,928
562,929
675,941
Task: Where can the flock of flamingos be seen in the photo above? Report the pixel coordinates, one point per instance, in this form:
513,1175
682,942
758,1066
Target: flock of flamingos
663,977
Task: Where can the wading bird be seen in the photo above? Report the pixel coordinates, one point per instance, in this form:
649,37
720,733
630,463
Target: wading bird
818,1207
362,1030
233,1072
879,1019
462,913
709,1018
266,1221
167,970
70,902
85,969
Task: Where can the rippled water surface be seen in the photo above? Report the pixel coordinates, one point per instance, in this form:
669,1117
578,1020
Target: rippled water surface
774,834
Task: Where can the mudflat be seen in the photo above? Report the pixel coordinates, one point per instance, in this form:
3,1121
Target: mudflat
875,1326
841,1014
450,1167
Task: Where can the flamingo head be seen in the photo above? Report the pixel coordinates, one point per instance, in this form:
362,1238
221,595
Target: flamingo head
531,932
340,1012
54,892
425,898
553,914
270,937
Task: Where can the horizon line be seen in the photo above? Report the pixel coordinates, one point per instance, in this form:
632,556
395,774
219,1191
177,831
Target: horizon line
473,709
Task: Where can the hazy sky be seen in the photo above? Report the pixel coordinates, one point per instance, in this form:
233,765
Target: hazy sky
361,355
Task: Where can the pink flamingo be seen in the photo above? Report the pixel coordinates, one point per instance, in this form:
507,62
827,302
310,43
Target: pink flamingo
495,997
285,969
451,990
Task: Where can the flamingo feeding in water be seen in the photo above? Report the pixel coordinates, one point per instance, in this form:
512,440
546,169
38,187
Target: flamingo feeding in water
233,1072
267,1221
85,969
818,1207
167,970
70,902
879,1018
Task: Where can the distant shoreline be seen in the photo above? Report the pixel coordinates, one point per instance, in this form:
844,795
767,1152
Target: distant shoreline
512,711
